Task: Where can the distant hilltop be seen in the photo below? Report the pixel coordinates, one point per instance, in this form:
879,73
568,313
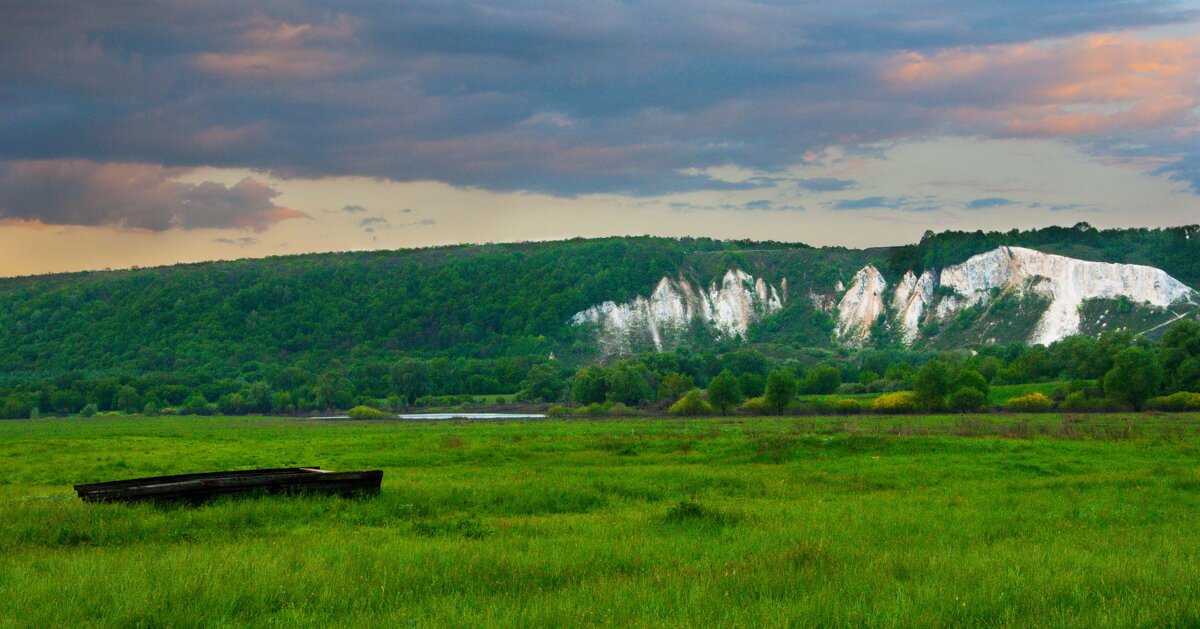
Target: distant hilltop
584,300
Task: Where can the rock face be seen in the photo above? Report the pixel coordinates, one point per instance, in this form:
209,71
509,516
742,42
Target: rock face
910,301
861,306
1065,282
727,307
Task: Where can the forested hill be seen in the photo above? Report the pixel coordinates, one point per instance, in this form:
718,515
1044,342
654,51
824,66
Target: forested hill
481,301
466,301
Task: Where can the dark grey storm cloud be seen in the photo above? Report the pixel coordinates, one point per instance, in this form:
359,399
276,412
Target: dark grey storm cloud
139,196
541,95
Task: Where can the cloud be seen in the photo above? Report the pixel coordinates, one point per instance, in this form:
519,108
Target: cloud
239,242
370,223
906,204
570,98
825,184
138,196
990,202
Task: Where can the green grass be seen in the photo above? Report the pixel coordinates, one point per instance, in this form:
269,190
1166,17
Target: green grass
1000,520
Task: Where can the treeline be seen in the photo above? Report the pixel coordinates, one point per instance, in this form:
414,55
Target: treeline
479,302
1113,371
1175,250
259,388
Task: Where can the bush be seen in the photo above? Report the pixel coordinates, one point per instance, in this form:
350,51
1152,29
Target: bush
1082,402
895,403
88,410
558,411
966,400
887,386
617,409
757,406
822,380
1175,403
691,405
847,407
851,388
1035,402
365,412
596,409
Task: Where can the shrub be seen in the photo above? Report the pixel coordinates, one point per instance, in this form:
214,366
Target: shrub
822,380
847,407
597,409
558,411
1175,403
851,388
887,386
691,405
1035,402
675,386
971,379
894,403
966,400
365,412
757,406
1082,402
88,410
617,409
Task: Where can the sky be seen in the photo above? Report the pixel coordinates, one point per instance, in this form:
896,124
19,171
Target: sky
140,133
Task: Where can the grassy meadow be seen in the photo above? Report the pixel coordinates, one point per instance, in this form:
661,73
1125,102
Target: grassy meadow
989,520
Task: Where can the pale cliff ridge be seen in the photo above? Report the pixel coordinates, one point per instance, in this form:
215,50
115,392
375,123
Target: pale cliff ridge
910,301
728,307
861,306
1066,282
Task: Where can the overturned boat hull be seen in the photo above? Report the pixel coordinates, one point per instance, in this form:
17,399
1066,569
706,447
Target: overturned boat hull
209,485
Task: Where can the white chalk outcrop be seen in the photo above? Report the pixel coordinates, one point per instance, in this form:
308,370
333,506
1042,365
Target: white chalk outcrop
1066,282
728,307
911,300
861,306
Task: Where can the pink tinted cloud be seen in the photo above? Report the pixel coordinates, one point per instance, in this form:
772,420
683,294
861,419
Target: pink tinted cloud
136,196
1079,87
273,49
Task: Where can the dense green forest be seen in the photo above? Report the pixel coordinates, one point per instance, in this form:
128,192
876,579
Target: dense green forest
327,331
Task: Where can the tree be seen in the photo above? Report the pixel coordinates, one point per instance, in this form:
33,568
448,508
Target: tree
932,384
724,391
971,379
966,399
590,385
410,378
629,383
544,383
675,386
822,380
1135,377
781,388
751,384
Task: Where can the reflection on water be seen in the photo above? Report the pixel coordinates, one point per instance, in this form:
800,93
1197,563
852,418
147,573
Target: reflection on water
451,416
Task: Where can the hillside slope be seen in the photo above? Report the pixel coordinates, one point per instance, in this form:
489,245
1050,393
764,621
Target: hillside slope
520,300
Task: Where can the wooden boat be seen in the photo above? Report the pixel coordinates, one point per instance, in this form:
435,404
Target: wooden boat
201,487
